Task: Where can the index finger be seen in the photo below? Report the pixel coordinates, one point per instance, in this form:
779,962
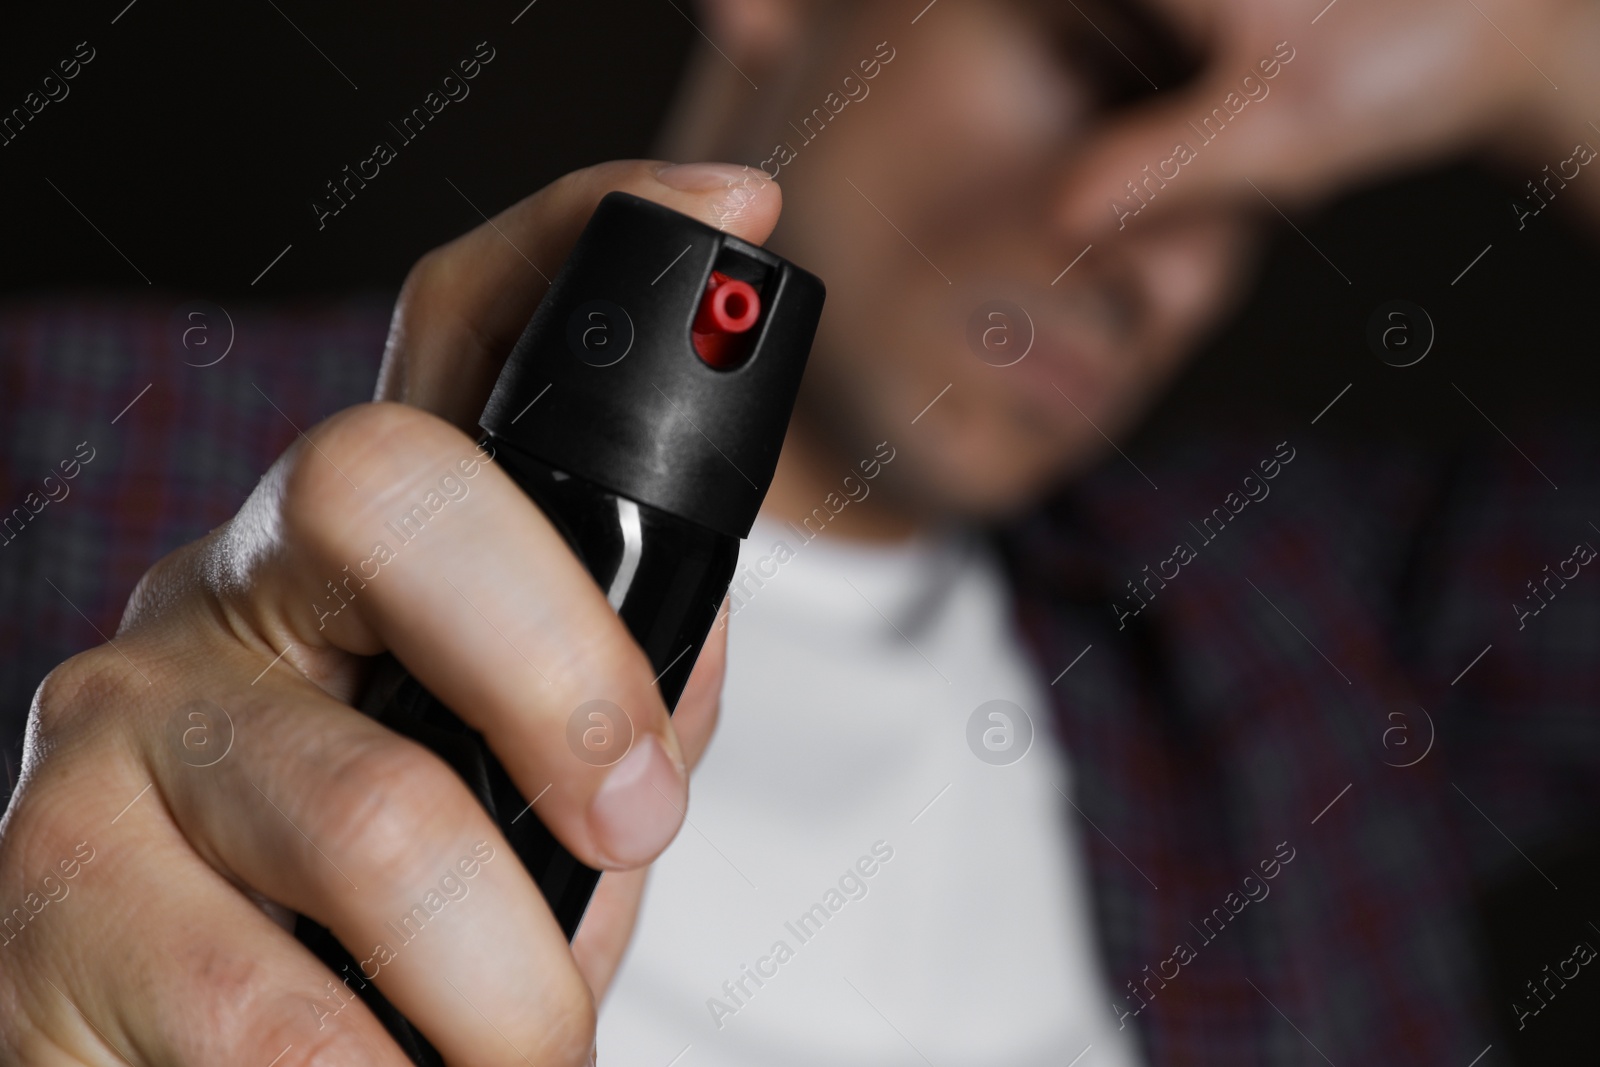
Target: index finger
465,303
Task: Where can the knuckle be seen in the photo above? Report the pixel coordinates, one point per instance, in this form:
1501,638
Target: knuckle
566,188
331,1046
166,582
237,996
244,1008
74,691
396,810
429,273
236,985
603,662
378,448
43,837
432,287
353,441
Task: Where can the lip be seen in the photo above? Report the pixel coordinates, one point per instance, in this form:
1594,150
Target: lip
1065,382
1060,375
1070,369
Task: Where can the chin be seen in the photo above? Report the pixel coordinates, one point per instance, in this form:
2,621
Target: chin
986,474
987,450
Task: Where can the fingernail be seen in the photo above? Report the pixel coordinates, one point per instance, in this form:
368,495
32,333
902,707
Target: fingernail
702,177
639,806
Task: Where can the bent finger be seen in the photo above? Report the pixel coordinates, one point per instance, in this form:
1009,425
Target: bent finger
451,567
320,809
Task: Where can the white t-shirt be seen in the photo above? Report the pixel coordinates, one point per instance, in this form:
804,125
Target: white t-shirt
854,884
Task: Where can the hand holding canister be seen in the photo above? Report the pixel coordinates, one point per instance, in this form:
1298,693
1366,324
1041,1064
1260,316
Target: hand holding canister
643,411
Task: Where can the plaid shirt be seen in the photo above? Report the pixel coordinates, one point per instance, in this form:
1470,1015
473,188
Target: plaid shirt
1335,674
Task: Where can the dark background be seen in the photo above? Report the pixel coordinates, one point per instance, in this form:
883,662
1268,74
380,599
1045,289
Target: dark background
197,138
199,135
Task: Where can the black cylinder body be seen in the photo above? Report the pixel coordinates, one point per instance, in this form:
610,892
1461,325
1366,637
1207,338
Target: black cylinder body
650,461
665,576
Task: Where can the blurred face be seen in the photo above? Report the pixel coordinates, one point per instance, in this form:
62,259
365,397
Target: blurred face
926,203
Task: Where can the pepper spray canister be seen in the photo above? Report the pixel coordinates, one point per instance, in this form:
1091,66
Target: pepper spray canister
642,410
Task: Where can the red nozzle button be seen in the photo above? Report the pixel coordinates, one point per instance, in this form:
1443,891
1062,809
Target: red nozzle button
729,308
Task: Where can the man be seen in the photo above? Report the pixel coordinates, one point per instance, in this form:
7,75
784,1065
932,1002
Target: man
1204,726
937,155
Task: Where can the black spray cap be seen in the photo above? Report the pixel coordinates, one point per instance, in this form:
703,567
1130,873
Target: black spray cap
665,360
